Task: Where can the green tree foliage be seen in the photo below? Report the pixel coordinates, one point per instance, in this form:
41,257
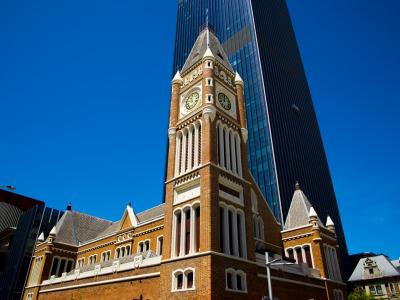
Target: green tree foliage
359,294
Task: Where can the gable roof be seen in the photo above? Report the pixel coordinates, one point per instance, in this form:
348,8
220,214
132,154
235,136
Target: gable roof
385,266
76,227
299,211
206,42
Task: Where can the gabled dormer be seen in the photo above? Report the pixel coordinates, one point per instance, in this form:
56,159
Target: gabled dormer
129,218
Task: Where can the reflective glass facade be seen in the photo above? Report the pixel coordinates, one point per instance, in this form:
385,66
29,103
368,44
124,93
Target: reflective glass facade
284,142
31,223
233,24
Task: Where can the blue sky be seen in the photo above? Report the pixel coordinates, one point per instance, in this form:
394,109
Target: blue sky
84,96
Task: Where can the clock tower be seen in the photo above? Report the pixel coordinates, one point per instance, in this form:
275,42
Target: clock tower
212,202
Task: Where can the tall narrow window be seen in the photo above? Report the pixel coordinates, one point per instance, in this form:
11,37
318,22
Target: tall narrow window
146,246
160,245
239,231
299,255
230,226
199,152
221,228
229,281
197,212
239,282
186,151
180,154
230,150
61,267
189,280
225,146
187,232
192,163
180,281
178,233
54,267
307,254
290,253
69,266
219,146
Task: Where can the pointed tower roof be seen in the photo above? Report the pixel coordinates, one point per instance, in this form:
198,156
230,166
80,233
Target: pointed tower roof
329,222
238,79
207,43
300,210
177,78
312,213
41,237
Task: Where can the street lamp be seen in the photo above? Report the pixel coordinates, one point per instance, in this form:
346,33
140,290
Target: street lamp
268,263
8,187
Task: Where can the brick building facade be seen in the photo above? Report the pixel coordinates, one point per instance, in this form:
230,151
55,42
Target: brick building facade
208,241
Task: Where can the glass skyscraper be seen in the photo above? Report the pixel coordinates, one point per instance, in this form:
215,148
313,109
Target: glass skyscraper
284,143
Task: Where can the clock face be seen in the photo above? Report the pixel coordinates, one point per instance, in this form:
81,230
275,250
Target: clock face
224,101
192,100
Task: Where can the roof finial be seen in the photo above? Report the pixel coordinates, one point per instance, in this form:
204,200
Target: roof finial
297,186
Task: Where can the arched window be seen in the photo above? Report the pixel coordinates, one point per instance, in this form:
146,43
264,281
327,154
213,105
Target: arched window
183,280
260,229
228,145
186,230
188,148
299,255
232,231
235,280
307,256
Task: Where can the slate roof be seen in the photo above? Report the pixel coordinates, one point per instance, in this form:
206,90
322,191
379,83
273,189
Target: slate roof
151,213
200,47
299,210
396,264
385,266
75,227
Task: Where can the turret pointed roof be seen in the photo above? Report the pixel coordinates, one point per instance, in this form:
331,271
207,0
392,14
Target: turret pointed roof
206,42
300,210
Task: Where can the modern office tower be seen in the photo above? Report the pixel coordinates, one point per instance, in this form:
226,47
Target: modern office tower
285,143
22,219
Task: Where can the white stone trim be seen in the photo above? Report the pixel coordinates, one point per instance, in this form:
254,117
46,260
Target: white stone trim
108,281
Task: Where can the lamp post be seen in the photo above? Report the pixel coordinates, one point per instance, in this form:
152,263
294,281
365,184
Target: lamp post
268,263
8,187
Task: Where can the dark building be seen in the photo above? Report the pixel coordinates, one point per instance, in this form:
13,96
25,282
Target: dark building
22,219
284,143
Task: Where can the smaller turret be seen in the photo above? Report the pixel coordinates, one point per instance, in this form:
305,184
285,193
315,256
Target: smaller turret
329,224
52,235
41,238
312,215
177,78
